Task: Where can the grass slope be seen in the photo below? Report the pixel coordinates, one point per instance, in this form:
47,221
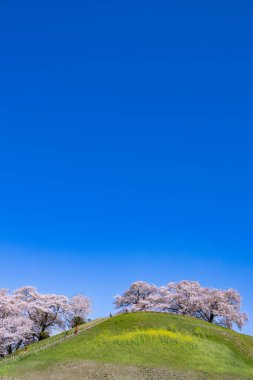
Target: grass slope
142,346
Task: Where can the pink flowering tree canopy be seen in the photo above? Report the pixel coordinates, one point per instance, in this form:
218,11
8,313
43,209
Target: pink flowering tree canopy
139,297
27,316
222,307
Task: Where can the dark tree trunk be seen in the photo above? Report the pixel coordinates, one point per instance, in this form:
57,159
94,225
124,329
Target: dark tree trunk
18,345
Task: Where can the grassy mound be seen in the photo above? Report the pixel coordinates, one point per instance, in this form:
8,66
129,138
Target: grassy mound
142,346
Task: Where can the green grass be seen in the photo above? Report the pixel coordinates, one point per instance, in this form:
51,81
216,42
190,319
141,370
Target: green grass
148,345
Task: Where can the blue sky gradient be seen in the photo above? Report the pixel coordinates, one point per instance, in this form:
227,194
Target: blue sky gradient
126,145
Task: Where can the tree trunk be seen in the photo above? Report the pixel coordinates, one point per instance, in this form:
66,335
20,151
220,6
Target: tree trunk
18,345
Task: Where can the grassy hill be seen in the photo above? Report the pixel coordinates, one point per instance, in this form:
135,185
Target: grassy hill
141,346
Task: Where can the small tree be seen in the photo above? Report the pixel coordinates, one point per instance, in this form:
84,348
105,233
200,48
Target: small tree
79,308
44,335
77,321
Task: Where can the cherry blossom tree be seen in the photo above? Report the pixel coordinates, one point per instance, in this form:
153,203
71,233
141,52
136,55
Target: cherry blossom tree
27,316
46,311
180,298
50,312
79,308
221,307
15,329
139,297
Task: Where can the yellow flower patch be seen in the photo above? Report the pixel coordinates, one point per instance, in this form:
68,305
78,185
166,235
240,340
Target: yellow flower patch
153,334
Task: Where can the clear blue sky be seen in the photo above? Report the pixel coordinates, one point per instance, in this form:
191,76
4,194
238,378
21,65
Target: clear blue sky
126,145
